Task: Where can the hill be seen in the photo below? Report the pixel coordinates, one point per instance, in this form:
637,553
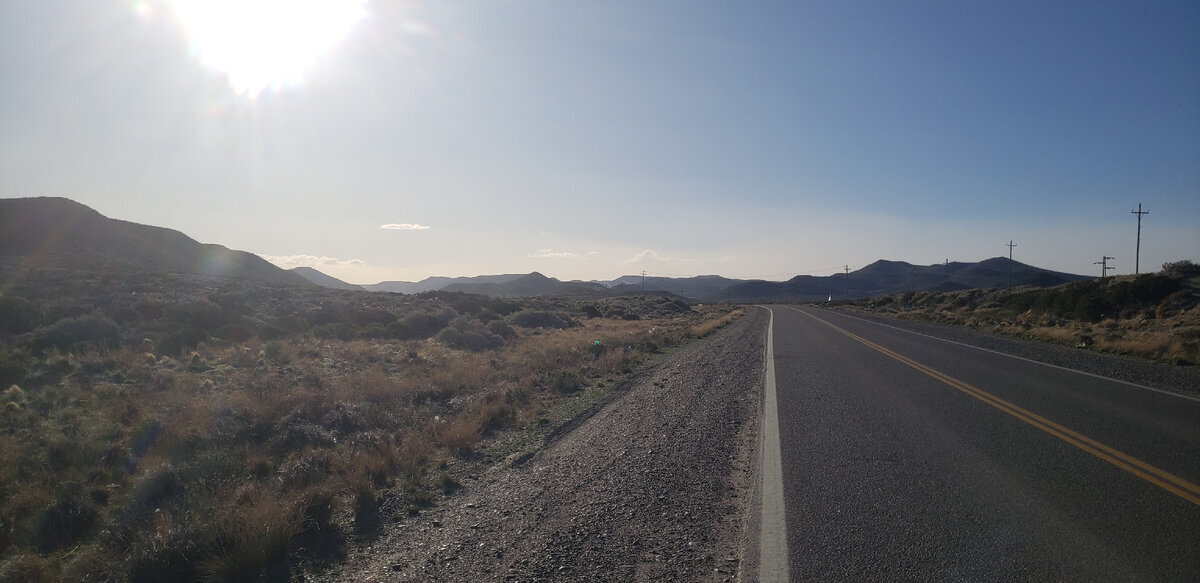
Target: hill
437,283
891,277
324,280
701,286
50,232
531,285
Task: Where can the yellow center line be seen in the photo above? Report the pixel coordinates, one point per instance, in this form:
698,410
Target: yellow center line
1161,478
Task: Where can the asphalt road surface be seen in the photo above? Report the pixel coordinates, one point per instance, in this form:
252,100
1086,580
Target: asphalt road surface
910,458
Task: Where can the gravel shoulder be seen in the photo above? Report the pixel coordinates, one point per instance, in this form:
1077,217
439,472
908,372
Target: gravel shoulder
655,485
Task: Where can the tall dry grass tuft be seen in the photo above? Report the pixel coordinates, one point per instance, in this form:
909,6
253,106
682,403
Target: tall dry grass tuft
249,536
458,436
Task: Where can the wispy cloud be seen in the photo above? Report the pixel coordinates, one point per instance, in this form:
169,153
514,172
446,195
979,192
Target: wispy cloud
290,261
650,255
552,254
404,227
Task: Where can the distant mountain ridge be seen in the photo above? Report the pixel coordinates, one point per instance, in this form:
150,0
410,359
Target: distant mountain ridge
879,278
534,284
53,232
437,283
891,277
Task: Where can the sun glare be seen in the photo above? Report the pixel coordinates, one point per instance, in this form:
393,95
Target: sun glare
265,44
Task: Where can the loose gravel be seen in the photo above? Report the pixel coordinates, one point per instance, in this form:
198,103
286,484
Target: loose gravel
656,485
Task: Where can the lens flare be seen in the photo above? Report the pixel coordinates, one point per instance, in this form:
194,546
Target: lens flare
265,44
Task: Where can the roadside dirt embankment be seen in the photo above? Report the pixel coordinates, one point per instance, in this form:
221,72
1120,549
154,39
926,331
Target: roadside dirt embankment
653,486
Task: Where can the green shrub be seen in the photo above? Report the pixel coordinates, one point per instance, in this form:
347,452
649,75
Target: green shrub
74,334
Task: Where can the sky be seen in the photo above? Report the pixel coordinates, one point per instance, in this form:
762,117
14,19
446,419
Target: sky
390,140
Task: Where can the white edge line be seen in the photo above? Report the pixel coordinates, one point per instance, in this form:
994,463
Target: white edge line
1030,360
773,555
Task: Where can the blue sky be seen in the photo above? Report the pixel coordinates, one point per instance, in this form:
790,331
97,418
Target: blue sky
588,140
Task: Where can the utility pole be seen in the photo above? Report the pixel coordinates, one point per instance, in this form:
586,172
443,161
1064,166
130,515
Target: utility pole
847,282
1103,263
1137,258
643,280
1010,261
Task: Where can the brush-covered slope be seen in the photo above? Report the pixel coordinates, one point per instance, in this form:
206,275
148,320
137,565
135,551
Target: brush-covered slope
50,232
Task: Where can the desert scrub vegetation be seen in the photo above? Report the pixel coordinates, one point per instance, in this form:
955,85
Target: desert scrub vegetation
161,428
1154,316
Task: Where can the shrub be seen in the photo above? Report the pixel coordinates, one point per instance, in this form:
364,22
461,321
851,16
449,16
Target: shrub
72,334
181,341
422,324
17,315
468,334
459,436
448,483
563,381
249,538
543,319
318,511
283,327
1183,269
502,329
67,520
337,330
234,333
26,569
273,350
12,369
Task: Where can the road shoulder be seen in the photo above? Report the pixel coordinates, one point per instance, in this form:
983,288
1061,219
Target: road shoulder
656,485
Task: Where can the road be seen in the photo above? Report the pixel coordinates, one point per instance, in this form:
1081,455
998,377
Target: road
910,458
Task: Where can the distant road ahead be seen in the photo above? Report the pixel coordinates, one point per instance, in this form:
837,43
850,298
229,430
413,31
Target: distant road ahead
910,458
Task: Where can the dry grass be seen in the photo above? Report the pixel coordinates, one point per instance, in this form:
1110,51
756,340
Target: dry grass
223,455
708,326
1155,316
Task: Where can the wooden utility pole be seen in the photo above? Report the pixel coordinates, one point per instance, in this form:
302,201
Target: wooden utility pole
1103,263
1010,261
1137,258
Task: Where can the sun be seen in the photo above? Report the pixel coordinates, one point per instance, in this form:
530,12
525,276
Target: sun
265,44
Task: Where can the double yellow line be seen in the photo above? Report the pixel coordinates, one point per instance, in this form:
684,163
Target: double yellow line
1163,479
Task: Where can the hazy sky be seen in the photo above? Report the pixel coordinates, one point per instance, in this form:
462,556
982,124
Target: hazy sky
592,139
